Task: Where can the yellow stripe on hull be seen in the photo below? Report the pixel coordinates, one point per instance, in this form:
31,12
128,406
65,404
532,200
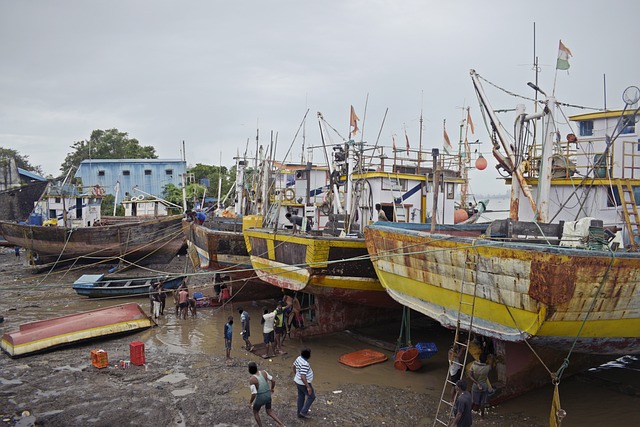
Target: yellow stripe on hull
44,343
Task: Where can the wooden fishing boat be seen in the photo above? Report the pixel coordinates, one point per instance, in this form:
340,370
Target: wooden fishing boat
330,261
61,331
99,286
561,274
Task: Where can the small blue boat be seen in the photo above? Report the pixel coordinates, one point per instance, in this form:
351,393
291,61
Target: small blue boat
99,286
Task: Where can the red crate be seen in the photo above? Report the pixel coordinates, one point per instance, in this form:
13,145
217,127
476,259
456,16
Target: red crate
99,358
136,351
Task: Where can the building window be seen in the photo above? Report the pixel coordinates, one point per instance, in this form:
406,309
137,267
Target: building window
100,173
126,173
586,128
147,171
168,171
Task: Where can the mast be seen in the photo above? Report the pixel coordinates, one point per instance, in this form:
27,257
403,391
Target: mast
510,163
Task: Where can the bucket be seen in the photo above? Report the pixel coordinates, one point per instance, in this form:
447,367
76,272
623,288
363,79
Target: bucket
411,359
399,364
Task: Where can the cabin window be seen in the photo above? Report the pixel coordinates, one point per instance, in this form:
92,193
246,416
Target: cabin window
126,173
586,128
168,171
147,171
53,214
627,125
58,199
394,185
100,173
613,197
450,190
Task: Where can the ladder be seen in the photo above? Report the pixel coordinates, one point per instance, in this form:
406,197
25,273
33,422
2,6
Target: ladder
399,211
629,210
468,288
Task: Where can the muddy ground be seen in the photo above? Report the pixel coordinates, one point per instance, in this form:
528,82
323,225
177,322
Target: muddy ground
197,388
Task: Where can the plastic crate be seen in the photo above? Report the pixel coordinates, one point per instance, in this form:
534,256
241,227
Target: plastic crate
427,349
99,358
136,353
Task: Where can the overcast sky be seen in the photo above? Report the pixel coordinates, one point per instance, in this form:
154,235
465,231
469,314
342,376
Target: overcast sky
211,72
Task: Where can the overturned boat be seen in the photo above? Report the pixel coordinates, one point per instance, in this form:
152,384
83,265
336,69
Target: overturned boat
48,334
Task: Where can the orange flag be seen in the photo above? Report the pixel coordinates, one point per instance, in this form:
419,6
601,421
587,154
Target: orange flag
447,143
353,121
470,122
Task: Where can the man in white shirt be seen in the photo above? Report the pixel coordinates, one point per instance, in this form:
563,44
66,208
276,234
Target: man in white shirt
303,376
267,330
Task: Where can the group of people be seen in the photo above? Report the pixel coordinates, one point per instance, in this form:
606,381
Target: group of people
262,386
464,401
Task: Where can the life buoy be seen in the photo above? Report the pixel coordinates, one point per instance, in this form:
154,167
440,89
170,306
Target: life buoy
289,194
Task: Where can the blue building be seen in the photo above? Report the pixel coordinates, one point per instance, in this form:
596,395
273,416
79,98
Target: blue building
148,175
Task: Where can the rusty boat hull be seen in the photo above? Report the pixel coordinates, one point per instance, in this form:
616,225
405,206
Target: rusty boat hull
325,266
140,242
551,296
225,251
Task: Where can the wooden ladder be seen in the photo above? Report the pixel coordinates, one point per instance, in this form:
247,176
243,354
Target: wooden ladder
630,211
468,288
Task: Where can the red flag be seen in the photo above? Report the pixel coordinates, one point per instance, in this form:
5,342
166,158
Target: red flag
353,121
470,122
393,138
407,138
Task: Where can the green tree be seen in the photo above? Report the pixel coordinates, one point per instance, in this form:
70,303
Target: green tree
107,144
213,174
22,161
173,194
106,208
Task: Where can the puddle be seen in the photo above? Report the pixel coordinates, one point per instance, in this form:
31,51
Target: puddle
172,378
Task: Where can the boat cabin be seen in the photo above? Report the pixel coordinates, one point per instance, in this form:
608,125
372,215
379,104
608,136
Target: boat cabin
66,205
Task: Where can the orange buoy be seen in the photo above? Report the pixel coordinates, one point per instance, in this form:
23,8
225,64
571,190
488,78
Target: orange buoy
459,216
481,163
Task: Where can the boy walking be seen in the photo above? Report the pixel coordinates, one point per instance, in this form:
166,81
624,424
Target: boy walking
228,335
246,326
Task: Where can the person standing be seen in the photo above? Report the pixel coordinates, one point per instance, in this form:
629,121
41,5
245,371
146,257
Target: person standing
17,250
262,386
303,377
381,215
462,406
246,328
228,336
479,374
267,330
225,296
455,356
183,303
280,326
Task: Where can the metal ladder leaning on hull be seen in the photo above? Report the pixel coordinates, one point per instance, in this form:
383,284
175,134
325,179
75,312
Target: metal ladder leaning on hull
444,413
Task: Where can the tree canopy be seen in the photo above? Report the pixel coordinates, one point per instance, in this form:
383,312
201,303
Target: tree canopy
22,161
107,144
